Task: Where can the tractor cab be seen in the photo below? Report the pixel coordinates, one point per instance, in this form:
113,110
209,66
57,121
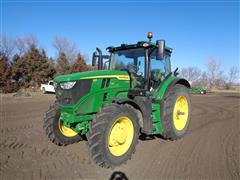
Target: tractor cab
147,63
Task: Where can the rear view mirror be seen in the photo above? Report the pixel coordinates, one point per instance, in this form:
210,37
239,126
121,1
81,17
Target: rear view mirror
160,49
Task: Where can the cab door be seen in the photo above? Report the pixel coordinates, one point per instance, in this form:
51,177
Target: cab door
159,70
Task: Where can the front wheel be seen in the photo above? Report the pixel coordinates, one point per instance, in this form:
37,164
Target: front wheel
113,135
176,110
56,131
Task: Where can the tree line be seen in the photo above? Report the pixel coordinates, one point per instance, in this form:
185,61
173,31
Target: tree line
24,64
213,77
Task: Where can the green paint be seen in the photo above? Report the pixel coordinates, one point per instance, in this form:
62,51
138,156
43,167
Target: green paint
82,127
197,90
157,122
156,107
78,116
158,95
87,75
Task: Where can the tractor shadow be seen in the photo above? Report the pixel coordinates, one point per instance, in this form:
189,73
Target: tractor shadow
118,175
144,137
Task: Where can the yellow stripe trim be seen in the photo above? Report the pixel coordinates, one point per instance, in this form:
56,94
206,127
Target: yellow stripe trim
119,77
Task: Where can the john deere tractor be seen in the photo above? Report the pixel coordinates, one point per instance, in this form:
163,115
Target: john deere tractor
133,92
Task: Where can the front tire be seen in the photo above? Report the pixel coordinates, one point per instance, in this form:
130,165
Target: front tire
55,129
113,135
176,110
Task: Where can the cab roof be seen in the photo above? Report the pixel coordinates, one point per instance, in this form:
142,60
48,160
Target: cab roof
139,44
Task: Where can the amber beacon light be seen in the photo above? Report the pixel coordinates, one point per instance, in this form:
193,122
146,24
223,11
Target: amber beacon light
150,36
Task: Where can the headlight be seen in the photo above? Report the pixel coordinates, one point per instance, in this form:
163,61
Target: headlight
67,85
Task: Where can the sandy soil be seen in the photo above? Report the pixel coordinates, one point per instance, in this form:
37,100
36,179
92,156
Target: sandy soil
210,150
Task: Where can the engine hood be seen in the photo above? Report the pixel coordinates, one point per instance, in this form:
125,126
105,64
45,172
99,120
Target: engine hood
121,75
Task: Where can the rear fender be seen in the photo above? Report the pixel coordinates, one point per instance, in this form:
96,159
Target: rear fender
162,92
168,84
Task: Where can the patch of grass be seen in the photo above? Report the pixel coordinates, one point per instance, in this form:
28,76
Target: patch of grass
21,93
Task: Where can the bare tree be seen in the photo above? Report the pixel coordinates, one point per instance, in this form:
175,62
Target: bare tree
63,45
192,74
214,72
7,47
23,44
203,81
31,40
233,74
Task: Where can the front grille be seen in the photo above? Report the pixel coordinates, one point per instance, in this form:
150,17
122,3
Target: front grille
69,97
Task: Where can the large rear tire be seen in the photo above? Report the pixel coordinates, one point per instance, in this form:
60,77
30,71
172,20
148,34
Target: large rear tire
176,112
113,135
55,129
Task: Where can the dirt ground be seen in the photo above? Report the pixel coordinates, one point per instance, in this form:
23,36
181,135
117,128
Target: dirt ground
210,150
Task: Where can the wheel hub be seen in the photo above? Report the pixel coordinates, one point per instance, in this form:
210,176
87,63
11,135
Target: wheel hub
180,113
66,131
120,136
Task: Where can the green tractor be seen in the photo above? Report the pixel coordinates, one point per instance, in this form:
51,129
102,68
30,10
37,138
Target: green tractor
198,90
133,92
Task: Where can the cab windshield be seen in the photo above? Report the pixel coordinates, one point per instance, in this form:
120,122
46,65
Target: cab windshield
133,61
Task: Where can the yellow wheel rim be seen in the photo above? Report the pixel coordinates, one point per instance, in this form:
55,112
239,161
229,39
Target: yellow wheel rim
66,131
120,136
180,113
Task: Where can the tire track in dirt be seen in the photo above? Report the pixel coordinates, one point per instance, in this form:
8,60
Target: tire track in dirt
231,151
214,110
221,117
12,143
45,159
230,145
208,151
192,154
54,159
16,128
171,170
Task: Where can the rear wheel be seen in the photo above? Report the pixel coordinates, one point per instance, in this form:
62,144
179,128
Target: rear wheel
56,131
113,135
176,112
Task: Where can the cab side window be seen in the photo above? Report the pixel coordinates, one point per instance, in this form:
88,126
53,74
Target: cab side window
159,69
